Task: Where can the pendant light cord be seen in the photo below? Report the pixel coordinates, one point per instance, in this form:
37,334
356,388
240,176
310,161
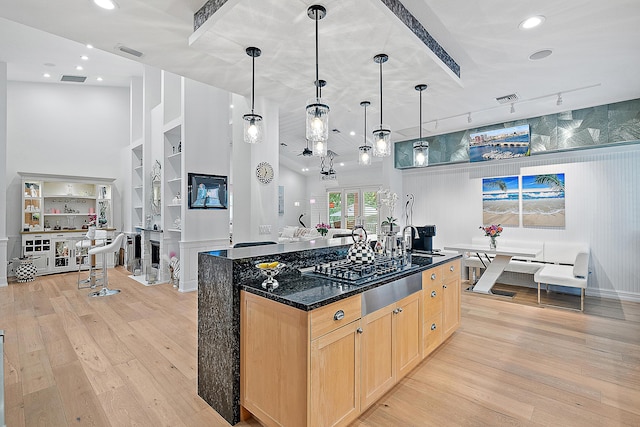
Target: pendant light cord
381,94
253,81
365,125
317,82
420,117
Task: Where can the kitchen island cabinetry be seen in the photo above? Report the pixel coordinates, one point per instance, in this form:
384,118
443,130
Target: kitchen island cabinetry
303,354
284,349
441,304
390,346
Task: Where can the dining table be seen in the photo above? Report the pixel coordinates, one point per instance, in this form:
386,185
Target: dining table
495,261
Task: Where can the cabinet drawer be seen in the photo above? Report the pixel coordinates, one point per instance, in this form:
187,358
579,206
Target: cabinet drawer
326,319
432,275
432,294
432,333
451,270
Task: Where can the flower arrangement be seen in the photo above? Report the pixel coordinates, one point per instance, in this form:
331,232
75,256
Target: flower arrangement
492,231
92,219
322,228
388,199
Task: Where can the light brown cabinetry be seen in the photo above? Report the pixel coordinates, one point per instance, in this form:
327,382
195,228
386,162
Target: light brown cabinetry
300,368
326,366
441,304
390,346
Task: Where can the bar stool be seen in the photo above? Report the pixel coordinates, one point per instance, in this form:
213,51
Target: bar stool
112,247
92,239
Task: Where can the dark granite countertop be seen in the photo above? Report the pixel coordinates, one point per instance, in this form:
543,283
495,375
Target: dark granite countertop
307,292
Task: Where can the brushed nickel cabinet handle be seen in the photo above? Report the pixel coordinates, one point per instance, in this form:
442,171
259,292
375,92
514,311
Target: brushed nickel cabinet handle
396,311
433,326
451,268
339,315
399,309
433,276
444,286
359,330
433,294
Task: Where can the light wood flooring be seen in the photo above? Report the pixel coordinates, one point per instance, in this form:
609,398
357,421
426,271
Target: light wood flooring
130,360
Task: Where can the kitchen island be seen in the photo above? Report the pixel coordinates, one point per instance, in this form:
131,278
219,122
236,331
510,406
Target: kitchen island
276,328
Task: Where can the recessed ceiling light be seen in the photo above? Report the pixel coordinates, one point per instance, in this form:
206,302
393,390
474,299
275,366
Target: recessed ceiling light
89,46
531,22
79,67
99,79
341,163
231,106
84,57
106,4
49,64
352,133
47,75
541,54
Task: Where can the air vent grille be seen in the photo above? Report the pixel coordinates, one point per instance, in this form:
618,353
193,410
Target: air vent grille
507,98
130,51
75,79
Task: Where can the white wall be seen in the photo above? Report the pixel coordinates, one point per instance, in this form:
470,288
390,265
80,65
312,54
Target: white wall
63,129
295,190
602,205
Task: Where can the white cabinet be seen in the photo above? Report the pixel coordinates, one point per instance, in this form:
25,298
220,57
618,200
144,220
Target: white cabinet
137,189
53,202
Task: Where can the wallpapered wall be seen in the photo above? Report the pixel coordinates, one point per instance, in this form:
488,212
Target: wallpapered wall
594,126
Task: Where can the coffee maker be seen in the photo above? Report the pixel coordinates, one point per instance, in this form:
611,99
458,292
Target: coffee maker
423,242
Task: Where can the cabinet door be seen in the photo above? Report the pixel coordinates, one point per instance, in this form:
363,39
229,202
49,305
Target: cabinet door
432,333
335,377
377,355
451,306
407,329
62,254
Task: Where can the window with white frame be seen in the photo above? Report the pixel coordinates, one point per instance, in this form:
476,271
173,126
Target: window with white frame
349,207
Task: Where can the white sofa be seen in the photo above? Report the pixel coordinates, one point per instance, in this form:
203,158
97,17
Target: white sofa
557,263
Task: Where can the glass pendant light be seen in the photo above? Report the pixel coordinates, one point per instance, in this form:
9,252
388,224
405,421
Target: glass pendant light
364,151
420,147
253,130
382,134
317,122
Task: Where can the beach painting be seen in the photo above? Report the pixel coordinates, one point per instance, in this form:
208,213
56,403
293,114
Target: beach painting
501,201
505,143
543,200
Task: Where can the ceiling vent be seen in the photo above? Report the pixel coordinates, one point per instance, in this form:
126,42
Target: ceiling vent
130,51
75,79
507,98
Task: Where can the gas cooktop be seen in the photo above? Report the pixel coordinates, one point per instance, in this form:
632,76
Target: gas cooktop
346,271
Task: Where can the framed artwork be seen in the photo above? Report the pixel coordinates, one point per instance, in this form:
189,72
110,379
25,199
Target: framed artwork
501,201
543,203
505,143
207,191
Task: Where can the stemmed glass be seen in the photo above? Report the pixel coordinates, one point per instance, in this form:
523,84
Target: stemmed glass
270,270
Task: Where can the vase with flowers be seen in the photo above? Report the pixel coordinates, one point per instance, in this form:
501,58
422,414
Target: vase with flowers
492,231
322,228
388,199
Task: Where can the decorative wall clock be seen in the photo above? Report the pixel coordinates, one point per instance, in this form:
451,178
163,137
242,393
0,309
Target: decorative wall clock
264,172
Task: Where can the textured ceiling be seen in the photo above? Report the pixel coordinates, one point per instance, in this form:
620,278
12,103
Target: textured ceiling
595,56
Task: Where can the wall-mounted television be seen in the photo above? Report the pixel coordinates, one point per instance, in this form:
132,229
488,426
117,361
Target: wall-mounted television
207,191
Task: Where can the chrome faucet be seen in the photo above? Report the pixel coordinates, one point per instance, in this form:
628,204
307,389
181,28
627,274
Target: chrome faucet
404,229
406,247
